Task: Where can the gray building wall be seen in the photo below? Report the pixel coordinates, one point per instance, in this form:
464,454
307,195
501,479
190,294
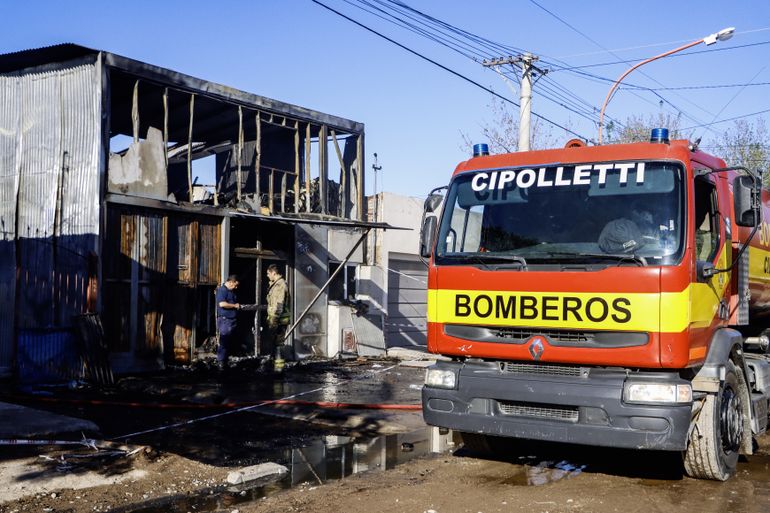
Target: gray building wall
397,279
50,135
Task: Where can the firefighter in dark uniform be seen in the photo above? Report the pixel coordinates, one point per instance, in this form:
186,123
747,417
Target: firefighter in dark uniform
227,318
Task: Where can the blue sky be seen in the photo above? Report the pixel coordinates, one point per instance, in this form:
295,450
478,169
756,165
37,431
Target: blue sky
414,112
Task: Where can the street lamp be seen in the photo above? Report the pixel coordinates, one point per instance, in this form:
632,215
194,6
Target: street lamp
722,35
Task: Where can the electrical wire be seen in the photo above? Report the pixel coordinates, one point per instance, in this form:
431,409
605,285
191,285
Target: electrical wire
736,95
675,55
483,50
445,68
666,101
482,46
654,45
691,88
728,119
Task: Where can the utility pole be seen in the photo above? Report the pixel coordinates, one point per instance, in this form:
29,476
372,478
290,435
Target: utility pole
375,168
526,64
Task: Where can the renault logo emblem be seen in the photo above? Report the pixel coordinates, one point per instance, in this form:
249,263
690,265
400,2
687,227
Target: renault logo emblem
536,348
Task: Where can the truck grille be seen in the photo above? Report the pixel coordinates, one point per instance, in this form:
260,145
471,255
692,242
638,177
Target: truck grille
540,369
564,413
554,335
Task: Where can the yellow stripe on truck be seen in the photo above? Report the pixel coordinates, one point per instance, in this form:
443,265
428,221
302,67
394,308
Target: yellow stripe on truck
669,312
759,265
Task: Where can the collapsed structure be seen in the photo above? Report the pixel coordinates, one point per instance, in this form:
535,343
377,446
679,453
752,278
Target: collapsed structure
100,210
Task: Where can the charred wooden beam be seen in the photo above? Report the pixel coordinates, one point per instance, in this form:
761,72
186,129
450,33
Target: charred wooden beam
258,159
360,181
308,192
343,176
323,168
270,191
189,148
238,177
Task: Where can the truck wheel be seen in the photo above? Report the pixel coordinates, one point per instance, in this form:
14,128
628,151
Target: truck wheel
716,438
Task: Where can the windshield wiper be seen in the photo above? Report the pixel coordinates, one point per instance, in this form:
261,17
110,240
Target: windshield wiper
486,258
619,257
483,258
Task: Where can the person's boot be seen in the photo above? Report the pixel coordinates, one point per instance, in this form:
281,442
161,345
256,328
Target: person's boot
278,363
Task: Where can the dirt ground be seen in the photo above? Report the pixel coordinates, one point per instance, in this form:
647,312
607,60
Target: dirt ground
188,429
139,479
536,481
339,461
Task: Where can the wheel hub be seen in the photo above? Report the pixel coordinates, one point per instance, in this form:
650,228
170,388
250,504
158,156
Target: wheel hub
731,420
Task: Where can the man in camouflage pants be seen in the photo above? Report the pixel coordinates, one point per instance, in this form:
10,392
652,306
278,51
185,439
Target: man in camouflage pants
278,311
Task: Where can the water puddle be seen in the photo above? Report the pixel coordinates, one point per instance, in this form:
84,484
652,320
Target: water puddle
330,458
543,472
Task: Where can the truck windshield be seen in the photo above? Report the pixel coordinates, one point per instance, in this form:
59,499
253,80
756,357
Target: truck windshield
618,213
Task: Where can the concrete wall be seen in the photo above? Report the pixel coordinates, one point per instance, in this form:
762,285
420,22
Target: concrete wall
388,245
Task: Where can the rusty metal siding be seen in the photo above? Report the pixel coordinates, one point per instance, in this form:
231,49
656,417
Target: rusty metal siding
210,256
150,251
183,251
150,255
135,266
10,119
49,182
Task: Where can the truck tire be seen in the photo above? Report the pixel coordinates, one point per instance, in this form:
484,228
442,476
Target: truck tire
716,437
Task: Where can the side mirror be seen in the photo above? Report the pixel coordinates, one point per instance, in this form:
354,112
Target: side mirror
432,202
745,202
427,234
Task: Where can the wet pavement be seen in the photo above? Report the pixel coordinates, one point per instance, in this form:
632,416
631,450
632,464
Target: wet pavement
333,446
328,459
227,419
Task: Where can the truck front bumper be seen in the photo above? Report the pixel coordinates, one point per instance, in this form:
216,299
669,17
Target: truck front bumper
582,405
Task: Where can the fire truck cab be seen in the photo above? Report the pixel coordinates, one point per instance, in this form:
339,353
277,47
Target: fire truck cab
610,295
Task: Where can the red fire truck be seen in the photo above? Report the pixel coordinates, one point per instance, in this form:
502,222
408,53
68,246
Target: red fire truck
613,295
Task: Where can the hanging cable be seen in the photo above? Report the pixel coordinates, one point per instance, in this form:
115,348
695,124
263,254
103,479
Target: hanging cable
445,68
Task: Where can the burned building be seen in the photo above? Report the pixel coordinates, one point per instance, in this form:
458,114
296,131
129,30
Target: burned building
101,211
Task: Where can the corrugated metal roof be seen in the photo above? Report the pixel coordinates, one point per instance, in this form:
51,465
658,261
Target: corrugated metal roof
53,55
34,57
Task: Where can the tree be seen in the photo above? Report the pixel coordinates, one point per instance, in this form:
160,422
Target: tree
502,133
747,144
637,128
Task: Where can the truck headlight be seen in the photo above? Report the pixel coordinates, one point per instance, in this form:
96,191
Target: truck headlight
440,378
657,393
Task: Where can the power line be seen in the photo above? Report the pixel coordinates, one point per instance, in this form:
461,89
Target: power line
692,88
462,42
558,97
676,55
445,68
389,17
727,119
736,95
654,45
682,111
